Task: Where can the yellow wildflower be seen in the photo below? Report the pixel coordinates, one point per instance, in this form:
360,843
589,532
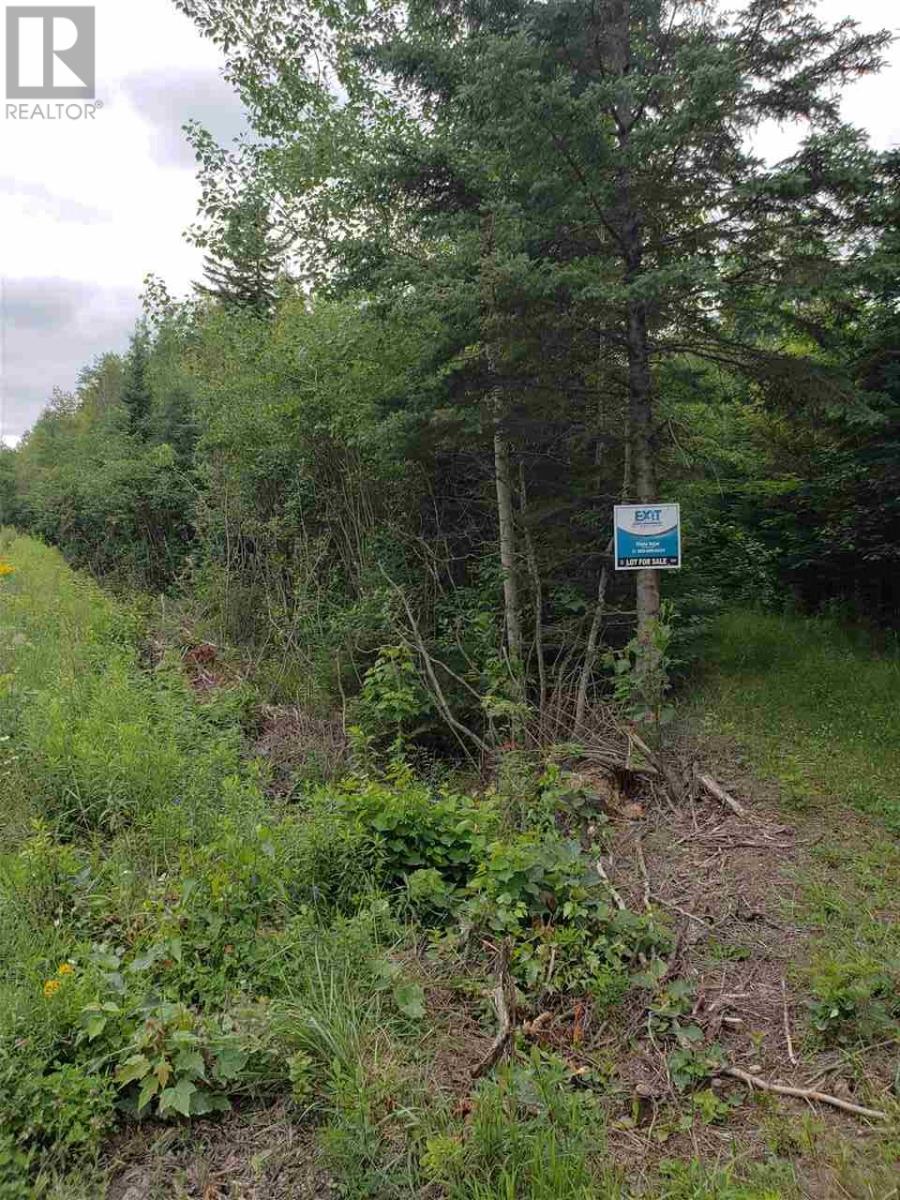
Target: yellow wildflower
6,569
51,987
66,969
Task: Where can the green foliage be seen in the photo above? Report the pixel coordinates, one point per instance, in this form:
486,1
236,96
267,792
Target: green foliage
246,258
694,1181
135,388
642,674
692,1060
391,695
542,892
172,1066
411,828
855,1002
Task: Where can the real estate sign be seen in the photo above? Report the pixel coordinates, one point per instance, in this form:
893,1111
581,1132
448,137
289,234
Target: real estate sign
647,535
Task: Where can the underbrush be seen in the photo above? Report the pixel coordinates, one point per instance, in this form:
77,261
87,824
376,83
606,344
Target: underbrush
177,939
814,707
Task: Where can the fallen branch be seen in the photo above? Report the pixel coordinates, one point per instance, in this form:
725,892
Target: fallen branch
684,912
807,1094
718,793
669,777
504,998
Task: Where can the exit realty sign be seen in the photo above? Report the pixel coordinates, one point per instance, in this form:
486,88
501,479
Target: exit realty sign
647,536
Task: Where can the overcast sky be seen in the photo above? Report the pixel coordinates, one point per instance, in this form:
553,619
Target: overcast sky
88,208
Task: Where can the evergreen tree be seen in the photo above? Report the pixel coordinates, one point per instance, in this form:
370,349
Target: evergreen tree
135,385
606,144
246,259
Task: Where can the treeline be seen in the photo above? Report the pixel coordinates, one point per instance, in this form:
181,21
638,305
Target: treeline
481,271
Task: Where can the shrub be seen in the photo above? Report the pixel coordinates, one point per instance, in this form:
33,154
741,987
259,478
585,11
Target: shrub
410,827
541,891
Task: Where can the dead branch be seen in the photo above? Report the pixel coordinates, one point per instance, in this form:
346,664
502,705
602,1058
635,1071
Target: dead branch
764,1085
718,793
504,998
684,912
665,772
458,727
590,654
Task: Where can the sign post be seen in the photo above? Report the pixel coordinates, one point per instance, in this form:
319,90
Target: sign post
647,537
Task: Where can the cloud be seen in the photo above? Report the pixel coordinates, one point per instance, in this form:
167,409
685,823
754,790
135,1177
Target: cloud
50,329
167,99
42,202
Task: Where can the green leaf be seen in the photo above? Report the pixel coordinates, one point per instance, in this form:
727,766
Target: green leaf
135,1067
410,999
149,1088
230,1061
178,1098
184,1037
94,1024
190,1062
203,1102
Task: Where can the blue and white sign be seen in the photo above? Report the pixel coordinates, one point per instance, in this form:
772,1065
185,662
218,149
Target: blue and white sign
647,536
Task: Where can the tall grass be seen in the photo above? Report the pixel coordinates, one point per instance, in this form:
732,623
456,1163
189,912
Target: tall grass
104,744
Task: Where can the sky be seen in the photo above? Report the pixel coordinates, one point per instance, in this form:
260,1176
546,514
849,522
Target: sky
88,208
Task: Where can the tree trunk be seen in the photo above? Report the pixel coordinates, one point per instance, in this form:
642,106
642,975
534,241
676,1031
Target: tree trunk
643,453
616,35
508,549
502,470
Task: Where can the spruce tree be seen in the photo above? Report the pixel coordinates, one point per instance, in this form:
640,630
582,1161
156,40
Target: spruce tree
246,259
609,142
135,386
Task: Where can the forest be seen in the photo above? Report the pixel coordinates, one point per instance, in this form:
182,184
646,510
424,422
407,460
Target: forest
367,832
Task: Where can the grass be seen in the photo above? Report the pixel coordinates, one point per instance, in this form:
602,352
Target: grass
815,706
174,940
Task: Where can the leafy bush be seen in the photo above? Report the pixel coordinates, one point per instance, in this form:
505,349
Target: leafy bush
391,696
410,827
64,1108
542,891
175,1064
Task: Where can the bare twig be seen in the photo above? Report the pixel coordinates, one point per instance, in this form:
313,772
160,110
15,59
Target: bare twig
752,1081
590,654
458,727
787,1025
684,912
